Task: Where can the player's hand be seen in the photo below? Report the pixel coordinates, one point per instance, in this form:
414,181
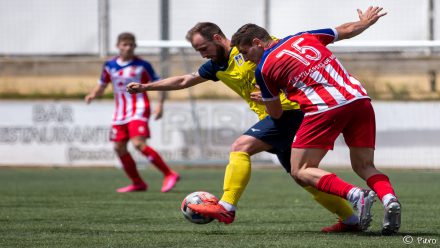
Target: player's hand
134,88
158,112
89,98
371,15
256,97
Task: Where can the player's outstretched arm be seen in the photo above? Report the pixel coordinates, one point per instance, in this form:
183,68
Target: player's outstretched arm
366,19
167,84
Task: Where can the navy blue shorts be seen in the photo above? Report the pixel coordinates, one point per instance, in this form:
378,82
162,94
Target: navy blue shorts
278,133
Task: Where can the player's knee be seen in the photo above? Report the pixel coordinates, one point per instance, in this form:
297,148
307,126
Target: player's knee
240,145
139,146
300,176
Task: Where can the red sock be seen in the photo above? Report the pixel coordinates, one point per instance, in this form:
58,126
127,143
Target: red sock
155,158
332,184
130,168
380,183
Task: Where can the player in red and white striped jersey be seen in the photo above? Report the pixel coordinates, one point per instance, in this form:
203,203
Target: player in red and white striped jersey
119,73
132,112
318,81
333,102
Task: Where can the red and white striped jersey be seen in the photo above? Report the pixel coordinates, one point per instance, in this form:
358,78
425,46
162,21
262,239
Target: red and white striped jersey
308,72
128,106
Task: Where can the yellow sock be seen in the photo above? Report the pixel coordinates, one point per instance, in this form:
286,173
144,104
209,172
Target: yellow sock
332,203
237,175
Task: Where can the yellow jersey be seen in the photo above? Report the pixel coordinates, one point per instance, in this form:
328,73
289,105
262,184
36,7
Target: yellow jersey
239,75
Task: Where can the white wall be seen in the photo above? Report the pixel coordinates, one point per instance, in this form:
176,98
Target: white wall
406,20
138,16
228,14
71,27
48,27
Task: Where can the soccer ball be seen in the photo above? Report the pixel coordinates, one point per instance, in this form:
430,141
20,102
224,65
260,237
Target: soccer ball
198,197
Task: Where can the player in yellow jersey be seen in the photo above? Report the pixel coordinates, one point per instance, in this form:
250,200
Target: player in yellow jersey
227,65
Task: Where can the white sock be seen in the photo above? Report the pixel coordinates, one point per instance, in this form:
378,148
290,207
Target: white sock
352,220
387,198
353,195
227,206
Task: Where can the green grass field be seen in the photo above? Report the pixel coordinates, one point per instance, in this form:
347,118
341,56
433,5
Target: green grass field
80,208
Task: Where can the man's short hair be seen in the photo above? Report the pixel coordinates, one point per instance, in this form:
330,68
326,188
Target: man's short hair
206,29
126,36
247,33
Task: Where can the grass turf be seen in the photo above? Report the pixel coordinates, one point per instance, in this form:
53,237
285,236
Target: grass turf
80,208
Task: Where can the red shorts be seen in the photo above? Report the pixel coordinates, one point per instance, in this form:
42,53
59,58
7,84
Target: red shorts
356,121
127,131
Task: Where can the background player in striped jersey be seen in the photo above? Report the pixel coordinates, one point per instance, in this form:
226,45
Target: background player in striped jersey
227,64
130,119
333,102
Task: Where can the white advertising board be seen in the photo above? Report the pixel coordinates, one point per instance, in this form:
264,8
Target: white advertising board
71,133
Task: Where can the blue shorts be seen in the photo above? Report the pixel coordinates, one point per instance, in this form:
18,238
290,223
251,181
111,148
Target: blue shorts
278,133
